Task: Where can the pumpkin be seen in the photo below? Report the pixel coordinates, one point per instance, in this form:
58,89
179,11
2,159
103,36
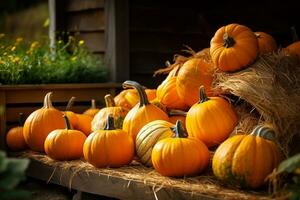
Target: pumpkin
180,156
148,136
117,112
142,113
167,92
71,115
175,115
294,48
65,144
40,123
246,160
15,138
109,147
194,73
84,123
266,42
211,120
233,47
93,110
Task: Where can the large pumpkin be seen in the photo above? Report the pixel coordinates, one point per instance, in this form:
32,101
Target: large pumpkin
233,47
246,160
167,92
148,136
142,113
109,147
15,138
211,120
266,42
40,123
194,73
65,144
117,112
93,110
180,156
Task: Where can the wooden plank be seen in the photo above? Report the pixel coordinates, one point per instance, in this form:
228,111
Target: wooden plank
92,20
94,41
2,120
117,39
79,5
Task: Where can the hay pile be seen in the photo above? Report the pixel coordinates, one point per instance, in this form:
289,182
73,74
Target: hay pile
270,87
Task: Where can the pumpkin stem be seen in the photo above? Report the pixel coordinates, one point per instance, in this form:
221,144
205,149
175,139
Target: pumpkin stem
140,89
179,130
47,100
70,103
264,132
228,41
67,122
109,101
110,123
93,104
294,34
174,112
202,95
21,119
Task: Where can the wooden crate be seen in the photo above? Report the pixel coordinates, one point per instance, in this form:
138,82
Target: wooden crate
27,98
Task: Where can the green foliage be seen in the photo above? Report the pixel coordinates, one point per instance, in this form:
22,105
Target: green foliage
12,172
36,63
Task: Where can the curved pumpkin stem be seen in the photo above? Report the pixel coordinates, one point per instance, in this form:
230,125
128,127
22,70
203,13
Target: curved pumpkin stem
179,131
109,101
264,132
174,112
294,34
202,95
67,122
70,103
110,123
93,104
21,119
47,100
140,89
228,41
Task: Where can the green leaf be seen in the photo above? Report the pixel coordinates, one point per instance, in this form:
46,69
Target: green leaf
3,162
10,181
15,194
289,165
17,165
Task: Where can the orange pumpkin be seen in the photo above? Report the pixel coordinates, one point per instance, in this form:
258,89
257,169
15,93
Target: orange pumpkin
211,120
117,112
142,113
84,123
266,43
194,73
179,156
93,110
246,160
167,92
175,115
65,144
40,123
109,147
294,49
15,138
71,115
233,47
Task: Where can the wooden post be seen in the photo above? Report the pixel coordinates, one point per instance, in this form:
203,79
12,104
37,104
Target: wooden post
117,39
52,24
2,120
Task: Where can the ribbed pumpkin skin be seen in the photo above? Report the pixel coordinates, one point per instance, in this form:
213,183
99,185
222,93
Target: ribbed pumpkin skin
233,47
15,139
211,121
65,144
109,148
266,42
194,73
245,160
148,136
40,123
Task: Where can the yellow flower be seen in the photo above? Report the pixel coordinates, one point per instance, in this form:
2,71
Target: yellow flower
16,59
19,40
81,42
74,58
34,45
5,53
2,35
13,48
60,42
2,62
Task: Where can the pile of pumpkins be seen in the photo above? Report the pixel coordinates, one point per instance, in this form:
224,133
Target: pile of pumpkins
170,128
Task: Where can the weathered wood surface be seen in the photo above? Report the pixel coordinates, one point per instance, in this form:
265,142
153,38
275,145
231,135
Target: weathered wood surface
79,5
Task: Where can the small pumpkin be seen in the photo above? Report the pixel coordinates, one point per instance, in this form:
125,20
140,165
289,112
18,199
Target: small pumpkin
294,48
266,42
93,110
246,160
142,113
233,47
40,123
84,123
109,147
148,136
117,112
71,115
211,120
180,156
15,138
65,144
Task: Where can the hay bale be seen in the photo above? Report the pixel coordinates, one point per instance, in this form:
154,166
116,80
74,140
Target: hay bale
271,86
